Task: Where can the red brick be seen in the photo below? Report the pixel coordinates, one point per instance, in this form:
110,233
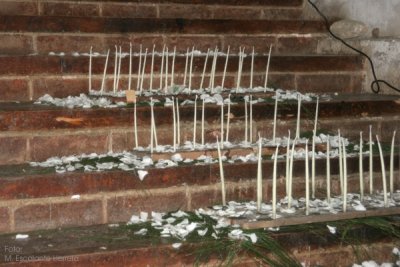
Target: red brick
185,11
59,86
70,9
5,223
14,89
201,43
231,12
69,44
16,44
33,217
13,150
296,45
121,208
325,83
43,147
131,10
124,41
18,8
202,198
77,213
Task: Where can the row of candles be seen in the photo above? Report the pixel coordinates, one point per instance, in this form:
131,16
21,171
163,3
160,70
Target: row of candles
166,75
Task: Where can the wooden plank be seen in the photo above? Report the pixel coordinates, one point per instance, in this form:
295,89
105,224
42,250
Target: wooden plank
285,221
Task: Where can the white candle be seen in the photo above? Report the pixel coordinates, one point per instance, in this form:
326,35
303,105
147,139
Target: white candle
190,70
267,68
298,117
194,122
152,67
328,172
221,174
344,178
103,82
214,65
90,69
274,184
178,125
259,175
166,70
275,116
202,123
222,124
173,67
174,123
371,162
139,69
251,69
361,168
155,131
162,69
287,163
385,199
251,120
115,69
135,126
130,67
119,68
151,125
291,174
340,164
316,117
241,58
307,179
313,166
204,69
225,67
392,165
228,118
144,67
245,120
186,66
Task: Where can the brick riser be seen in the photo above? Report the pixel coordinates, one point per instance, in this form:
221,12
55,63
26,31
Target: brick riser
35,134
63,76
158,9
104,206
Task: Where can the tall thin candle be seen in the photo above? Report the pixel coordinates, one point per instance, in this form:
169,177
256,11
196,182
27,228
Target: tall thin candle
190,70
316,117
385,199
221,174
251,69
275,116
274,176
361,168
307,180
186,66
287,163
228,118
103,82
291,174
90,69
135,126
222,123
298,117
392,165
313,166
225,67
178,124
214,69
371,162
173,67
328,171
119,68
194,122
340,163
245,120
115,69
144,68
166,70
251,120
241,58
130,68
259,175
174,123
139,69
204,69
344,177
267,68
202,122
152,68
162,69
151,126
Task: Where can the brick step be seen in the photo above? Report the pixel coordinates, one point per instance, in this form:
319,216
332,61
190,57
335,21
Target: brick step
102,245
113,196
29,137
25,78
158,9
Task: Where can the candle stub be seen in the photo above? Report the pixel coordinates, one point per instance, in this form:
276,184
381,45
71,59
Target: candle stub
130,96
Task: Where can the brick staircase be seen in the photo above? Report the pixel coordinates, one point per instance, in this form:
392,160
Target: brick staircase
44,48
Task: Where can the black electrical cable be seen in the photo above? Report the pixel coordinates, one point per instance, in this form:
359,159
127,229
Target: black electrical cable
375,85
